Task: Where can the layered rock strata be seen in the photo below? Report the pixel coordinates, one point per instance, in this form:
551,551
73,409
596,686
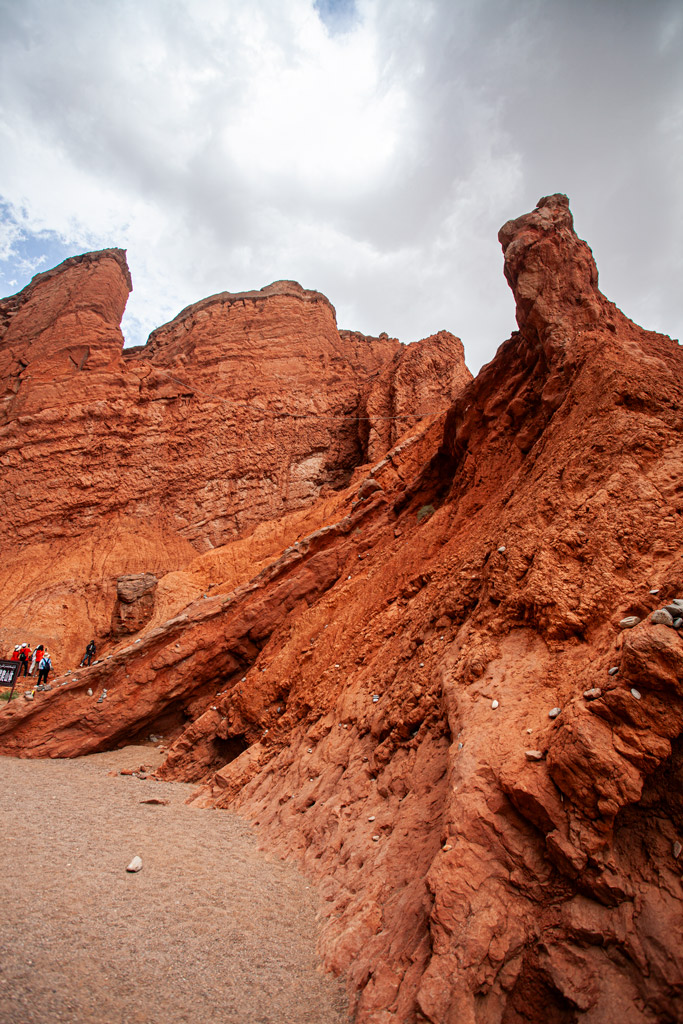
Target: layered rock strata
245,407
418,698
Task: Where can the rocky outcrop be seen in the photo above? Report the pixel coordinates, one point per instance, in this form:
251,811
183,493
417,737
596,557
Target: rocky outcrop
134,603
241,410
418,697
410,388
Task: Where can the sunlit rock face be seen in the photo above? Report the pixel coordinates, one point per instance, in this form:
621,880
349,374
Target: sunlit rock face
428,685
246,407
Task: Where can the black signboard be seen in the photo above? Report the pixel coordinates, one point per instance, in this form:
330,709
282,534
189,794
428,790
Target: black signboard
9,670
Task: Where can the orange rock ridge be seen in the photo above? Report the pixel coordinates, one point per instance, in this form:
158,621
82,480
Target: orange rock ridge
378,695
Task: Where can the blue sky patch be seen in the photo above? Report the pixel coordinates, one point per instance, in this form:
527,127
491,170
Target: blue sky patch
24,253
337,15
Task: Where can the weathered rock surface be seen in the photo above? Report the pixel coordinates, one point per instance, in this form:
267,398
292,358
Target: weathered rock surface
342,696
410,388
134,603
245,407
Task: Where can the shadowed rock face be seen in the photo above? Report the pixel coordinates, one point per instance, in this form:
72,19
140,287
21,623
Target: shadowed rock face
369,697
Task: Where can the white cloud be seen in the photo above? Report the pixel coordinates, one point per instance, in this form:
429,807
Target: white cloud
371,153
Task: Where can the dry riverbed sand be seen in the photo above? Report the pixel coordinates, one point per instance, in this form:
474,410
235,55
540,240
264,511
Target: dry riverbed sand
211,931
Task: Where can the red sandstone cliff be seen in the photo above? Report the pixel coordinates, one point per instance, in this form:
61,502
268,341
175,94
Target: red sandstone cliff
122,462
377,697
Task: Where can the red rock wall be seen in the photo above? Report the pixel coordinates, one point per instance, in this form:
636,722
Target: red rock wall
378,697
243,408
410,388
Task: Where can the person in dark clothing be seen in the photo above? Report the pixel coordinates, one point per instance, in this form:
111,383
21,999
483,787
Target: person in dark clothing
89,653
44,668
24,656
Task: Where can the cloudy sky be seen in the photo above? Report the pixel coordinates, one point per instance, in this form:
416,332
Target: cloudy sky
369,149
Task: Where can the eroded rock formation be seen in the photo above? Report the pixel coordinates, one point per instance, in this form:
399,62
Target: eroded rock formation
378,695
124,461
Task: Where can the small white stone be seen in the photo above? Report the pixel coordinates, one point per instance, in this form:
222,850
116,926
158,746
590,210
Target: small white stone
348,577
494,704
501,549
422,664
89,693
336,666
554,712
371,818
135,864
310,750
655,591
375,839
635,693
676,850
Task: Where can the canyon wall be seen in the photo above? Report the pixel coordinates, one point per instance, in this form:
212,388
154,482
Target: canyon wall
119,462
451,688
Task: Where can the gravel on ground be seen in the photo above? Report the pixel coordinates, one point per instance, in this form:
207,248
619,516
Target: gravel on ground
211,931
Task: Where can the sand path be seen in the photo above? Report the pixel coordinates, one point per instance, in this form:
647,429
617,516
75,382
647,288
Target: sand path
211,931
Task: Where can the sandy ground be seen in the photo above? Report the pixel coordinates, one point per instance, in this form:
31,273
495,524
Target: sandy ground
211,930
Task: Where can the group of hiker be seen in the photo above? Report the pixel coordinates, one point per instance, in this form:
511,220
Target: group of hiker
28,660
40,657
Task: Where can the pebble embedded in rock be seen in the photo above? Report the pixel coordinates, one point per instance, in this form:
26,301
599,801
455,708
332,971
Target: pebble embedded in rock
593,693
629,622
662,617
554,712
676,850
613,671
494,704
501,549
371,818
533,755
655,591
135,864
678,623
90,693
635,693
375,839
375,699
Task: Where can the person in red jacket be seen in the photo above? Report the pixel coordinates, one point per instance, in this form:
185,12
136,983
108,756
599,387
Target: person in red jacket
37,655
15,653
24,657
